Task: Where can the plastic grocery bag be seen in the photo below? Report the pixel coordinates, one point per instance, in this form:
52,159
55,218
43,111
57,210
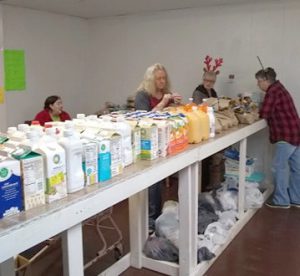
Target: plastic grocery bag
217,233
204,254
167,224
228,198
253,198
159,248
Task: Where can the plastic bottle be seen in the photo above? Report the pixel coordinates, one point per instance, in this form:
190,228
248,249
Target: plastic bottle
194,128
80,123
23,127
54,165
189,105
212,122
80,116
10,131
33,139
203,107
73,147
51,132
35,125
15,136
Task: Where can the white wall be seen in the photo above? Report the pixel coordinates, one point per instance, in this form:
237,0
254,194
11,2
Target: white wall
3,105
55,52
90,62
122,48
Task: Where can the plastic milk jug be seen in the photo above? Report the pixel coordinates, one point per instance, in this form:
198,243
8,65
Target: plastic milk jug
55,166
212,122
203,122
73,147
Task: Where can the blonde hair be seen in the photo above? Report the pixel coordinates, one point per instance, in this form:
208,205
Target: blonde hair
148,83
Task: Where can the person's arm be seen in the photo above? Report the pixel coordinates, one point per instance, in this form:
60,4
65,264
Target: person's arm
163,103
198,97
142,101
268,106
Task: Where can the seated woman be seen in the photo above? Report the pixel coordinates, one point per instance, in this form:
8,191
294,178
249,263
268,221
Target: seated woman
154,91
154,94
53,111
213,166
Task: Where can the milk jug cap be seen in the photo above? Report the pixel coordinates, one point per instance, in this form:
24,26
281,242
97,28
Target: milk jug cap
35,123
11,129
80,116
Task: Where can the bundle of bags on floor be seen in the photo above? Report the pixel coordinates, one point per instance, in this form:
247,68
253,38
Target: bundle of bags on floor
217,213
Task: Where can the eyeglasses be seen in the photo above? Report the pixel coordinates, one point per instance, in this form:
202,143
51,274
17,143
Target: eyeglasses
209,81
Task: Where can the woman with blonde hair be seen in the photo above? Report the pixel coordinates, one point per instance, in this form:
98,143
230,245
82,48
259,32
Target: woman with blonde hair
154,91
154,94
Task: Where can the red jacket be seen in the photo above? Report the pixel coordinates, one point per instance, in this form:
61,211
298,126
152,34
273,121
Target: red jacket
44,116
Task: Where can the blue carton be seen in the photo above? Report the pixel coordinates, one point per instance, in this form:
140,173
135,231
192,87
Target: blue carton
10,187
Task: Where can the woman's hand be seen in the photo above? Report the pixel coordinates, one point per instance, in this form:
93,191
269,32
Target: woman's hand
176,98
163,103
166,99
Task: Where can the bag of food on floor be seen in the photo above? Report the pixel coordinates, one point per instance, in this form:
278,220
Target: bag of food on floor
228,198
217,233
253,197
203,254
159,248
167,224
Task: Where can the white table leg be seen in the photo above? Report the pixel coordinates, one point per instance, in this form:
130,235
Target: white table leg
188,217
242,175
138,226
73,251
7,268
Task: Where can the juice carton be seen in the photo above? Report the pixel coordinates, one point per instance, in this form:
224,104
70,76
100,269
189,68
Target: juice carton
103,153
10,187
149,140
164,132
135,139
33,176
90,161
115,147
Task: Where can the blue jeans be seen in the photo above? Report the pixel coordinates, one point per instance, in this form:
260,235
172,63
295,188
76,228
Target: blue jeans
154,195
286,172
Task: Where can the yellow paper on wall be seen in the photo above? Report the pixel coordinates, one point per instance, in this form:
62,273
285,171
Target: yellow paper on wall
1,95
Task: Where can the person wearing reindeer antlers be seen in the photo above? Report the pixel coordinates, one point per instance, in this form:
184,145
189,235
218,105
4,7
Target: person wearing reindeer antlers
213,167
279,111
206,89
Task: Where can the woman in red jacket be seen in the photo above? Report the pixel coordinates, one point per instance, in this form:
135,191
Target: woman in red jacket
53,111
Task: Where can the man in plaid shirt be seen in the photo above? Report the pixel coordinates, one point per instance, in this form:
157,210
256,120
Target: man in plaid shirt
284,129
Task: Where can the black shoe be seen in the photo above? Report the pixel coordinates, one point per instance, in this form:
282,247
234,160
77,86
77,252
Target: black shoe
271,204
295,205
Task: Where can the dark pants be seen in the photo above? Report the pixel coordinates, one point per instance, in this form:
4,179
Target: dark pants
154,193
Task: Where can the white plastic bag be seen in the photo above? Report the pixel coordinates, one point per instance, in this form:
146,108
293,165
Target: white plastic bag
167,224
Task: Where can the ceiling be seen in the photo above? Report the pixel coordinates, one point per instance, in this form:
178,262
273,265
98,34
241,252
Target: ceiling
104,8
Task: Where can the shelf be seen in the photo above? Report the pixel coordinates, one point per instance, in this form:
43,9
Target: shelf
24,230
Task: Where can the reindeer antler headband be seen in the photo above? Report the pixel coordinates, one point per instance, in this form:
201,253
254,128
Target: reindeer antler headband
208,66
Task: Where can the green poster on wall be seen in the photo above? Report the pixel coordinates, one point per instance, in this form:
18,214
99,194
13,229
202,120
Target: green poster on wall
14,70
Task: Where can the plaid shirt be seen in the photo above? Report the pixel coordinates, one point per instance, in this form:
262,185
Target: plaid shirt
279,110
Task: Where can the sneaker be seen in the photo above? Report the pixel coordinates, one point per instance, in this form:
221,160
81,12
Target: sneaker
271,204
295,205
